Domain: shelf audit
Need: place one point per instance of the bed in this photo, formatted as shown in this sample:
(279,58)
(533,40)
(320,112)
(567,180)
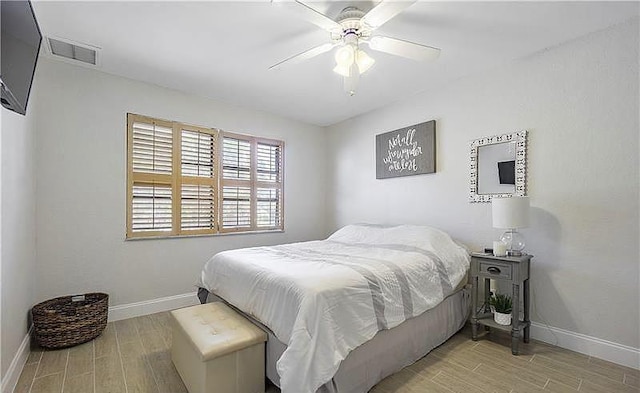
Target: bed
(345,312)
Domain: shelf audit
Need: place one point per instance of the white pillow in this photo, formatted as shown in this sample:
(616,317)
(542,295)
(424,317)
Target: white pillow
(409,236)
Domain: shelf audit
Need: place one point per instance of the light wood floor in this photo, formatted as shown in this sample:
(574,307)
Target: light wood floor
(132,356)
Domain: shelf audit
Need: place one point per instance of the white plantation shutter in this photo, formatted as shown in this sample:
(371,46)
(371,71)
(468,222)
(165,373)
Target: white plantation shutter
(188,180)
(268,209)
(152,147)
(198,180)
(269,162)
(236,183)
(151,208)
(150,186)
(236,159)
(197,208)
(236,207)
(251,183)
(198,153)
(269,184)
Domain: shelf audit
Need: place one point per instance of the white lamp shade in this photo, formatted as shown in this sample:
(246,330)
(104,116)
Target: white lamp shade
(345,59)
(342,70)
(364,61)
(510,213)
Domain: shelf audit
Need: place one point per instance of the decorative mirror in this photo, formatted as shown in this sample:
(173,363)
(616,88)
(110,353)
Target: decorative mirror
(498,167)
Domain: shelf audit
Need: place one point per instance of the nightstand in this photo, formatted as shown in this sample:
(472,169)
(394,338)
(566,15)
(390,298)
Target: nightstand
(512,270)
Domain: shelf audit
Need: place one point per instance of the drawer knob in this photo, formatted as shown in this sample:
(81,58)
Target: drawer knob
(493,270)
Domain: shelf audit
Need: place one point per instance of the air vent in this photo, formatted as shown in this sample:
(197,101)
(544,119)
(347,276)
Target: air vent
(73,51)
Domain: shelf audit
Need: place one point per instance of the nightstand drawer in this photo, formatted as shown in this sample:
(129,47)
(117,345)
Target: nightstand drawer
(495,269)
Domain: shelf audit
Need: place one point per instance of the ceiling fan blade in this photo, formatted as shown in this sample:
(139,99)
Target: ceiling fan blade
(306,55)
(403,48)
(311,15)
(384,11)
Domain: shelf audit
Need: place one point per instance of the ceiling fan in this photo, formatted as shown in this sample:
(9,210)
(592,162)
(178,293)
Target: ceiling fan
(352,28)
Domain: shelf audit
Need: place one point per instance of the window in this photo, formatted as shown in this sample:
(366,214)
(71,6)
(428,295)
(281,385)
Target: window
(251,183)
(187,180)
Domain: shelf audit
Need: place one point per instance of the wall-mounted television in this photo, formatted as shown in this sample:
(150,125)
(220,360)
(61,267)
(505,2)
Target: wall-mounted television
(20,40)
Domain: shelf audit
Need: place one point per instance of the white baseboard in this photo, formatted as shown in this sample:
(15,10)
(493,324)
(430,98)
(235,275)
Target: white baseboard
(592,346)
(17,364)
(132,310)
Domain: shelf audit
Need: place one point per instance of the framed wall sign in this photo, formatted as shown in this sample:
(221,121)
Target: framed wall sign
(407,151)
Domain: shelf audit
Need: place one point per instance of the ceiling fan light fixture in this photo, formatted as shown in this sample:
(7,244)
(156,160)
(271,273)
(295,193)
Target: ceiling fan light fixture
(344,56)
(344,61)
(364,61)
(352,28)
(341,70)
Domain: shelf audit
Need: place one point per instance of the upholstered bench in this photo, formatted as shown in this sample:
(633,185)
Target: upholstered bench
(216,350)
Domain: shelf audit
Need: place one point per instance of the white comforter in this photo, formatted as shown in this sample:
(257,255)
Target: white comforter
(325,298)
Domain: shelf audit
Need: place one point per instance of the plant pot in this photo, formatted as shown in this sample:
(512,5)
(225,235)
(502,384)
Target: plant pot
(502,319)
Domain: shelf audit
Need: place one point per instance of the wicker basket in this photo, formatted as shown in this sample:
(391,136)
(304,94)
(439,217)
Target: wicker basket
(70,320)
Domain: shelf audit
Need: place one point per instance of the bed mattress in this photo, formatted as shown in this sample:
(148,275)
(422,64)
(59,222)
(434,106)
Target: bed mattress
(324,299)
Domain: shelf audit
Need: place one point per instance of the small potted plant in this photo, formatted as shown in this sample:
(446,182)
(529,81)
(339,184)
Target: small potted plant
(501,306)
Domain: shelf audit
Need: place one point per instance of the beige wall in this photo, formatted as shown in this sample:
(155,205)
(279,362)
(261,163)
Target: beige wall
(81,172)
(580,103)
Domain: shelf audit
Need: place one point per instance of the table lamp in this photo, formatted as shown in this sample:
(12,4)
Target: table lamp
(511,214)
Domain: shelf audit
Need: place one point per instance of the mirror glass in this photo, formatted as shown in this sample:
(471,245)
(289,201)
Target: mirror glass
(498,166)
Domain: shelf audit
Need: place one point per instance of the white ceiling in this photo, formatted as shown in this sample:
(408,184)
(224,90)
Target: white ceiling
(223,50)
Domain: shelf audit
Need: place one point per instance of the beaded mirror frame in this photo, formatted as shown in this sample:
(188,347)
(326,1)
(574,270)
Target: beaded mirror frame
(520,139)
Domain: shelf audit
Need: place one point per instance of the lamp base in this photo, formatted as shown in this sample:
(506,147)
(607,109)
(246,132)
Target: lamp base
(514,242)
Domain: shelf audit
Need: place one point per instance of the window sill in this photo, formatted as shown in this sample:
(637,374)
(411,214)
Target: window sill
(204,235)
